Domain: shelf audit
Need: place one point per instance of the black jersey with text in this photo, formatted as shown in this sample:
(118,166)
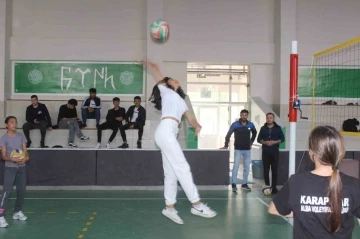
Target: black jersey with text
(305,194)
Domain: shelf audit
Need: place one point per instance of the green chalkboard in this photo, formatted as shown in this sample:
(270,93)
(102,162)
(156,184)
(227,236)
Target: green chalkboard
(77,78)
(330,82)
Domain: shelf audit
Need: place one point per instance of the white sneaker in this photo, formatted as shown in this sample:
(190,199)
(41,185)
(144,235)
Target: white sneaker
(173,215)
(98,146)
(203,211)
(3,222)
(84,138)
(108,146)
(19,216)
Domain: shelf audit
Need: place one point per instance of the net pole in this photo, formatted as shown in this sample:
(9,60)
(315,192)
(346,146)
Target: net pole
(292,109)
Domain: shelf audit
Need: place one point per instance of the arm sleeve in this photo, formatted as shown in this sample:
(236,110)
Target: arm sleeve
(127,114)
(144,120)
(122,113)
(260,137)
(228,135)
(282,137)
(28,115)
(109,116)
(47,116)
(61,113)
(356,210)
(23,139)
(83,103)
(253,133)
(2,142)
(282,199)
(100,105)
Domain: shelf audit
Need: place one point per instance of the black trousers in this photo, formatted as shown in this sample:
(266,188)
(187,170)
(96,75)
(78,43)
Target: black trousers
(115,126)
(270,160)
(42,125)
(136,126)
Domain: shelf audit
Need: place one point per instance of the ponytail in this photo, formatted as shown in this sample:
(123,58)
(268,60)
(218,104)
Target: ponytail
(326,146)
(335,200)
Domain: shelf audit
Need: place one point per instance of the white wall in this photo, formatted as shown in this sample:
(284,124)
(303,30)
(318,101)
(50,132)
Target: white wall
(321,24)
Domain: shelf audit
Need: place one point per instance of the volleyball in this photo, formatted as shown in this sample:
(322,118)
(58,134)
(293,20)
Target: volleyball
(266,190)
(18,153)
(160,30)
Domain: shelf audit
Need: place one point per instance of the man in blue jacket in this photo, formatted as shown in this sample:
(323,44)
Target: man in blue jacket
(242,130)
(270,137)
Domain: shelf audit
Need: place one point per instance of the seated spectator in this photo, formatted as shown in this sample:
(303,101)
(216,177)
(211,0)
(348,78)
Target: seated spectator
(135,118)
(90,108)
(114,120)
(37,117)
(68,119)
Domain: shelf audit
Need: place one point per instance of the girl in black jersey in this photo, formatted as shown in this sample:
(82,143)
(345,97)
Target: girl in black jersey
(324,201)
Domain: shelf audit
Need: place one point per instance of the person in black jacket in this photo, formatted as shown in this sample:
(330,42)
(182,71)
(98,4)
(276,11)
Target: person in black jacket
(135,118)
(37,117)
(270,137)
(91,106)
(114,120)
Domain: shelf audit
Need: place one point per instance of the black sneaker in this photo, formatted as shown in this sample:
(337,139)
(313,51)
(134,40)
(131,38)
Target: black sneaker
(42,145)
(139,144)
(124,146)
(234,188)
(245,187)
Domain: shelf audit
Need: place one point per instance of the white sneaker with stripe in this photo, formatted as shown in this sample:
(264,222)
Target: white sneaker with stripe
(203,210)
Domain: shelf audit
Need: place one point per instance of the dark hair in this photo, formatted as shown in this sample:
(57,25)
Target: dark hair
(73,102)
(33,96)
(92,90)
(156,97)
(327,145)
(116,99)
(137,98)
(270,114)
(244,111)
(9,118)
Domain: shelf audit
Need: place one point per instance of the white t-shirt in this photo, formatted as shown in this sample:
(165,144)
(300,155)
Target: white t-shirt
(135,114)
(172,104)
(92,104)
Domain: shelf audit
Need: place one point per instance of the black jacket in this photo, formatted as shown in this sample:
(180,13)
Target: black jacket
(267,134)
(40,113)
(141,117)
(244,135)
(113,114)
(87,100)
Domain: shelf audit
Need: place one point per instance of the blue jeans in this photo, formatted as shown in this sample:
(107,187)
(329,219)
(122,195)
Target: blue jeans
(246,156)
(85,115)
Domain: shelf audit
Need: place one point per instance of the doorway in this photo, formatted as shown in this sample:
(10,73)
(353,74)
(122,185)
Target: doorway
(217,93)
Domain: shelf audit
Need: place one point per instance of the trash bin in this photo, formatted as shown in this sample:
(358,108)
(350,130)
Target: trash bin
(257,169)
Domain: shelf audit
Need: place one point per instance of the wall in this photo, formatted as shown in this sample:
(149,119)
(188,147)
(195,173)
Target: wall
(317,31)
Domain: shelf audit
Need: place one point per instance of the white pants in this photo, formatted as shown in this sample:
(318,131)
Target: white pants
(176,168)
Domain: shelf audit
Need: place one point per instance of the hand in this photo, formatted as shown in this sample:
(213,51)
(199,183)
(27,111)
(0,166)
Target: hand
(197,130)
(147,64)
(21,161)
(90,109)
(119,118)
(36,121)
(50,128)
(15,159)
(131,126)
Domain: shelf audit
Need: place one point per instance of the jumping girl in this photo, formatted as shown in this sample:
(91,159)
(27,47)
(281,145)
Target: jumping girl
(168,97)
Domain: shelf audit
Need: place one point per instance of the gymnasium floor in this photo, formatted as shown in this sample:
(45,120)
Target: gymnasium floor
(137,215)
